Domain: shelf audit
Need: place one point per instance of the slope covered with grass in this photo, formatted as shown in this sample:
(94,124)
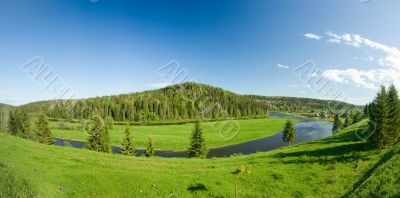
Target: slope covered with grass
(324,168)
(383,180)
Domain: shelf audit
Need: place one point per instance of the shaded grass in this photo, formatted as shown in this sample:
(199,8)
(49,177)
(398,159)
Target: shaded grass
(298,171)
(176,137)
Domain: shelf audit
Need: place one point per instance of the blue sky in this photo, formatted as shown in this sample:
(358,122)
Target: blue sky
(104,47)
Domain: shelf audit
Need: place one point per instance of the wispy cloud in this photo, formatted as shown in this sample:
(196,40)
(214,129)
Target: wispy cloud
(159,85)
(312,36)
(282,66)
(293,86)
(392,54)
(369,79)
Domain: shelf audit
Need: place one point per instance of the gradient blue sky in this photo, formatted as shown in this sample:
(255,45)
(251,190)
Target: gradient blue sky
(117,46)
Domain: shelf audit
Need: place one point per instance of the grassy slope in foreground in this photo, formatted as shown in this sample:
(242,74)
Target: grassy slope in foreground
(176,137)
(327,167)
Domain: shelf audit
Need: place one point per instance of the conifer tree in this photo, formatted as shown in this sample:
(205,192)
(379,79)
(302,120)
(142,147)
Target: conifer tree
(150,150)
(394,114)
(379,118)
(289,132)
(348,121)
(12,124)
(337,124)
(42,131)
(98,136)
(197,147)
(127,144)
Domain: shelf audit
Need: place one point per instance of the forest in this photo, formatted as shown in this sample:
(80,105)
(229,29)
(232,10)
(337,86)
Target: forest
(186,101)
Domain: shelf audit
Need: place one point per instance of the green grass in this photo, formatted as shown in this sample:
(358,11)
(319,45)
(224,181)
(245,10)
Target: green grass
(323,168)
(176,137)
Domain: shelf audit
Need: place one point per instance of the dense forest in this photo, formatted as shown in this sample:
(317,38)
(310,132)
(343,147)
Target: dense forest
(186,101)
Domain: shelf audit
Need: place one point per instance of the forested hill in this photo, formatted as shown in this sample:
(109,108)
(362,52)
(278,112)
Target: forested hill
(185,101)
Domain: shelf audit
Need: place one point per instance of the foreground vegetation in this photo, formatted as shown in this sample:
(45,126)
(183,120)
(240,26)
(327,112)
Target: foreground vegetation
(176,137)
(331,167)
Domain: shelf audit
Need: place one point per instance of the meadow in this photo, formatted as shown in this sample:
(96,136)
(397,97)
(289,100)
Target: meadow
(176,137)
(332,167)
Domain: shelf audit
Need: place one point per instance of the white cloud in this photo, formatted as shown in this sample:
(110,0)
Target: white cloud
(312,36)
(391,54)
(282,66)
(293,86)
(159,85)
(369,79)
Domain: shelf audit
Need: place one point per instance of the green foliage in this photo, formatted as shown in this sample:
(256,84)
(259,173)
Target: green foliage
(337,124)
(41,130)
(380,137)
(289,132)
(19,124)
(348,121)
(150,149)
(109,122)
(197,147)
(98,136)
(394,114)
(186,101)
(127,144)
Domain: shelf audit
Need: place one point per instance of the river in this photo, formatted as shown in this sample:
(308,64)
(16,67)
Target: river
(307,130)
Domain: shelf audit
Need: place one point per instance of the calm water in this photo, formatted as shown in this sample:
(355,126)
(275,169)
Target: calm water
(307,130)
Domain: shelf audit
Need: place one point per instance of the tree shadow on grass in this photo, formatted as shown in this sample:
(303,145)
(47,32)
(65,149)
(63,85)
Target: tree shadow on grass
(342,153)
(385,158)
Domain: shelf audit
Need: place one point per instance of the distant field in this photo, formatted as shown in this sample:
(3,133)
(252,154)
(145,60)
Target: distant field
(176,137)
(324,168)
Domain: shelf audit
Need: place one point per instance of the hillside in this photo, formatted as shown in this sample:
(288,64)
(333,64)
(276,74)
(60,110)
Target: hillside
(329,168)
(185,101)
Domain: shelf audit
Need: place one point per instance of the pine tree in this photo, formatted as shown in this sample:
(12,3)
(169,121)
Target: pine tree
(379,118)
(394,114)
(98,136)
(109,122)
(337,124)
(197,146)
(12,124)
(42,131)
(289,132)
(127,144)
(150,150)
(348,121)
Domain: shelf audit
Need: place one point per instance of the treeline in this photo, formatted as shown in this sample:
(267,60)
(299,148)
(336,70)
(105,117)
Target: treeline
(20,124)
(187,101)
(384,118)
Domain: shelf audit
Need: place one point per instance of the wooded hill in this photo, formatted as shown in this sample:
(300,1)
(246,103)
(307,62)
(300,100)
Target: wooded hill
(186,101)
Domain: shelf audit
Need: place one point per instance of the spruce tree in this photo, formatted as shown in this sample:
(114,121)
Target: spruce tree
(150,150)
(98,136)
(289,132)
(348,121)
(394,114)
(379,118)
(42,131)
(197,147)
(127,145)
(337,123)
(12,124)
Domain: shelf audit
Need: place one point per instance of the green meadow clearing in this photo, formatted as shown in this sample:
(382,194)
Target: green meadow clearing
(176,137)
(331,167)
